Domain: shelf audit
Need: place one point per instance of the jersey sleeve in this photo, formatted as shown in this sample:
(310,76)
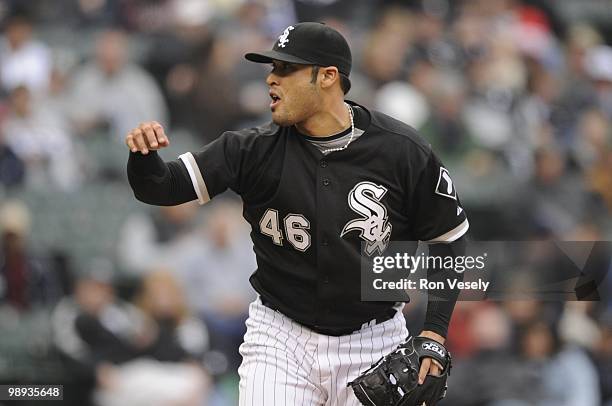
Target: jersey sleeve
(437,212)
(216,167)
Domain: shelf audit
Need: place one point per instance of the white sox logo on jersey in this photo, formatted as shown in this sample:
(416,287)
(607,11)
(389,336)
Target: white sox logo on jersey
(284,37)
(374,227)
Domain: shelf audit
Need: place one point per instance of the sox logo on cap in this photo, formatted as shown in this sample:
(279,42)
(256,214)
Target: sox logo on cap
(283,39)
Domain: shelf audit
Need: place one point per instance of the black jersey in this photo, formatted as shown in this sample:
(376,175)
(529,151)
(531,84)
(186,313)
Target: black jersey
(310,212)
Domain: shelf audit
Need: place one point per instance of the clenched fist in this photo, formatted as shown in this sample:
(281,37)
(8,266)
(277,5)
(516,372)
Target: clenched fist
(148,136)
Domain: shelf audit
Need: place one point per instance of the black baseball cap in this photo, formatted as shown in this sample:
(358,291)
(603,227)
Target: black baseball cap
(309,43)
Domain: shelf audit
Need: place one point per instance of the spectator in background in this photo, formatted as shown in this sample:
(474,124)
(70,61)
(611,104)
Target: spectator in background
(213,263)
(112,330)
(598,64)
(216,279)
(593,153)
(576,90)
(92,327)
(557,196)
(24,281)
(577,327)
(40,137)
(166,237)
(476,380)
(445,129)
(460,341)
(23,60)
(580,38)
(555,374)
(104,90)
(594,139)
(566,374)
(538,116)
(58,98)
(168,370)
(132,355)
(386,47)
(216,91)
(12,168)
(179,336)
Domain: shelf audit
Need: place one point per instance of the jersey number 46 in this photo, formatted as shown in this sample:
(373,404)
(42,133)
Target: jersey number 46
(295,226)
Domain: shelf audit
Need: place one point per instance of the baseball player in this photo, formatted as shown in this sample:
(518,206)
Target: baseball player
(323,178)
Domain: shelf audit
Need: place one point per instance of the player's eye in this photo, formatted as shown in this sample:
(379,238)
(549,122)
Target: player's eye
(283,68)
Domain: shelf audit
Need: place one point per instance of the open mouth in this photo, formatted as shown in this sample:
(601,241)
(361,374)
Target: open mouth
(275,100)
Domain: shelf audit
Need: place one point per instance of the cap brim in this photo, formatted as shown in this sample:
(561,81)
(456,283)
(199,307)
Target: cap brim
(269,56)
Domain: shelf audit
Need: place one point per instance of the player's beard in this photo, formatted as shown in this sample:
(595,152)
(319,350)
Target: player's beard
(292,111)
(282,118)
(298,104)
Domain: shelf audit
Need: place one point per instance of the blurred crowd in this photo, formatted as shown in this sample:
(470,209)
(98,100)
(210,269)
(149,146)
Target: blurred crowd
(515,97)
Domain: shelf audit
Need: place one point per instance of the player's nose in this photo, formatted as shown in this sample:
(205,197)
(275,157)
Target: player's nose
(271,79)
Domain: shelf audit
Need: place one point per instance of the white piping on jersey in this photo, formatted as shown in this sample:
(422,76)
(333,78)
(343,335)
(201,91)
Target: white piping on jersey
(196,177)
(453,234)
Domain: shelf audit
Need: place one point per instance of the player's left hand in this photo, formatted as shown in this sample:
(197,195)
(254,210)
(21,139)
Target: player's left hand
(430,366)
(394,379)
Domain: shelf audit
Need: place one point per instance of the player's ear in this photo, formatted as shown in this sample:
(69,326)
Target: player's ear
(328,76)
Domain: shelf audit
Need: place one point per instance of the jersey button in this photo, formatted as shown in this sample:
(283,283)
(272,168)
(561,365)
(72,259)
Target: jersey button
(325,242)
(323,163)
(326,182)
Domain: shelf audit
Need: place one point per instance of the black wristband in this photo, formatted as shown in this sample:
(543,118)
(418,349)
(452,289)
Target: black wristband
(440,309)
(146,165)
(157,182)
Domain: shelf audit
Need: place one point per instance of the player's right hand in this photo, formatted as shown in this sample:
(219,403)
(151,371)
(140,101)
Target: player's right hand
(148,136)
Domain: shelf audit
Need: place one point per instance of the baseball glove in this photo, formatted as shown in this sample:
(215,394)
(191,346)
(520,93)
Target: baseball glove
(393,380)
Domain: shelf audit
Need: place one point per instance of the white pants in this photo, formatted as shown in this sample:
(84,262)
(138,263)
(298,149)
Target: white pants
(285,363)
